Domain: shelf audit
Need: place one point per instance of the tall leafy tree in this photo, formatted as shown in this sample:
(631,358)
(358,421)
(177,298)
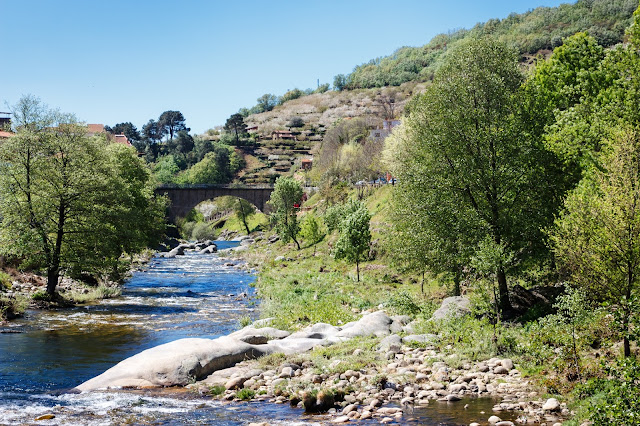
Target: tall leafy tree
(267,102)
(467,158)
(244,210)
(597,238)
(59,191)
(235,124)
(172,122)
(355,236)
(287,193)
(153,132)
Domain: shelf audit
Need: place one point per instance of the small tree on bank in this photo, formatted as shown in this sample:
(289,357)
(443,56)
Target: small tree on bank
(244,210)
(310,231)
(355,237)
(287,193)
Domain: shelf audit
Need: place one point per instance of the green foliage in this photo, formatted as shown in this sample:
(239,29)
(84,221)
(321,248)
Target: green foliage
(12,306)
(172,122)
(246,394)
(310,230)
(202,231)
(403,304)
(615,400)
(597,238)
(166,169)
(291,95)
(541,28)
(244,211)
(266,102)
(245,321)
(216,390)
(454,191)
(217,166)
(355,237)
(322,88)
(235,125)
(340,82)
(74,203)
(287,192)
(5,281)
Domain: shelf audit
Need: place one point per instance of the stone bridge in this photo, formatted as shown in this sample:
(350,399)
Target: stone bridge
(186,197)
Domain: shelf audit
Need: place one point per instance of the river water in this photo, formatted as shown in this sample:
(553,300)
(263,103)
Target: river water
(46,353)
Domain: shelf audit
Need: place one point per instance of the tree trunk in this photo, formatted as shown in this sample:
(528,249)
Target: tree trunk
(456,282)
(296,241)
(53,274)
(505,304)
(358,269)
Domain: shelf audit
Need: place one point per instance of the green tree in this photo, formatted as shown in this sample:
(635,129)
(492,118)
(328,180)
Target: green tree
(340,82)
(355,236)
(244,210)
(310,231)
(597,237)
(267,102)
(235,124)
(466,156)
(212,169)
(166,169)
(287,193)
(67,200)
(172,122)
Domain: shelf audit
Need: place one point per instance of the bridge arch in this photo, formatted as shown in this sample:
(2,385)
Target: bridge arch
(185,197)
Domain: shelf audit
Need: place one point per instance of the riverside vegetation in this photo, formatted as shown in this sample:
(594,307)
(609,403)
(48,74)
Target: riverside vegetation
(506,181)
(517,193)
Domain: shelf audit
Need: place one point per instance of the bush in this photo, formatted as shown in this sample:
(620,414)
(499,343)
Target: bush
(202,231)
(615,400)
(5,281)
(216,390)
(246,394)
(12,306)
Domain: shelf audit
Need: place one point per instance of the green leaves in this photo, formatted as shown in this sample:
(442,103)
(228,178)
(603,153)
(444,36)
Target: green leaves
(71,203)
(355,235)
(287,193)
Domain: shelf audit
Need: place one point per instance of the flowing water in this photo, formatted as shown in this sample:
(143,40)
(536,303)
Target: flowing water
(48,352)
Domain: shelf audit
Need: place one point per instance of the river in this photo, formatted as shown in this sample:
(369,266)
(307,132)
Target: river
(48,352)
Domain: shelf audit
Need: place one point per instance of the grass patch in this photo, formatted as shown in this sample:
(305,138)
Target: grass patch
(94,293)
(12,306)
(216,390)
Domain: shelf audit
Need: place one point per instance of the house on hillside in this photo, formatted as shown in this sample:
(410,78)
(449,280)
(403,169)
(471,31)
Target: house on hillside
(120,139)
(5,135)
(282,134)
(94,129)
(252,129)
(306,164)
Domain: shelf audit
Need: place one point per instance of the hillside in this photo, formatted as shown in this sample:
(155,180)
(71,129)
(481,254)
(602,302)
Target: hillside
(390,81)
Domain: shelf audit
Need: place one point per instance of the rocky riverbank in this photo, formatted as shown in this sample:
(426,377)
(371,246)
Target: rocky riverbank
(264,363)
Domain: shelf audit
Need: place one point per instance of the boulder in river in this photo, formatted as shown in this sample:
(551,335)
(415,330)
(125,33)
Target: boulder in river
(175,363)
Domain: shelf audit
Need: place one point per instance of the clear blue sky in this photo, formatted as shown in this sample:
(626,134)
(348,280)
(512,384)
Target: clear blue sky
(130,60)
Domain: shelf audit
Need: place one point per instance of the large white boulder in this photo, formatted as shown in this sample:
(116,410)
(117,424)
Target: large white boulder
(176,363)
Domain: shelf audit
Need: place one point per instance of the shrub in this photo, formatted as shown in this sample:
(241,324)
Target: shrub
(202,231)
(216,390)
(5,281)
(246,394)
